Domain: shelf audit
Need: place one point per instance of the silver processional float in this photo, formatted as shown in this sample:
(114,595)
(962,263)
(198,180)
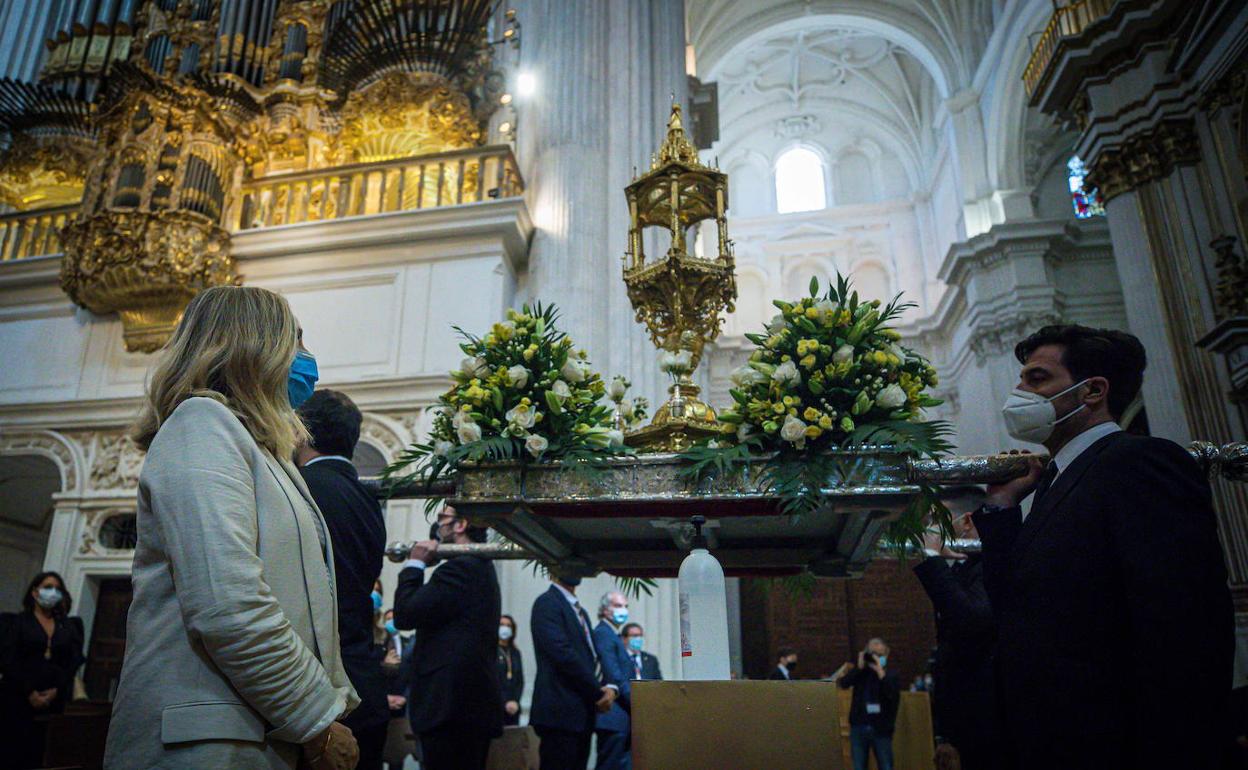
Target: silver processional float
(632,519)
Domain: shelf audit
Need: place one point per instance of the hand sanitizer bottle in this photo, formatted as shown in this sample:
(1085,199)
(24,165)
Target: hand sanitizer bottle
(703,612)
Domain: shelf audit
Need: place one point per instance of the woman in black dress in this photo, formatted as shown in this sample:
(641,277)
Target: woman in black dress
(510,670)
(40,652)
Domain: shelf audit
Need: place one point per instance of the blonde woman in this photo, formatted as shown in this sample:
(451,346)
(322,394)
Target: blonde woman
(232,656)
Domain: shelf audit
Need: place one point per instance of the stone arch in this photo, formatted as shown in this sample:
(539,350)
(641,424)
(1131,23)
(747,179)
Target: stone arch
(58,448)
(872,17)
(383,434)
(1007,116)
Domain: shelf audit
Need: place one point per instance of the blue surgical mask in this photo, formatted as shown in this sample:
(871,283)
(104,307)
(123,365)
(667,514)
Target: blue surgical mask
(302,378)
(883,660)
(636,642)
(376,602)
(390,629)
(619,615)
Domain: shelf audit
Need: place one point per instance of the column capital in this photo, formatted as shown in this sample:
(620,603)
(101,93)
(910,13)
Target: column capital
(1145,158)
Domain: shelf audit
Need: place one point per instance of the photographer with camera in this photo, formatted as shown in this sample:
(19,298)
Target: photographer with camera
(873,711)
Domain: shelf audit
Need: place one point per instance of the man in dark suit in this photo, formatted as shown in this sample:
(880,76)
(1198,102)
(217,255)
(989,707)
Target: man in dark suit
(569,689)
(786,662)
(358,533)
(964,702)
(455,704)
(1114,621)
(612,728)
(645,665)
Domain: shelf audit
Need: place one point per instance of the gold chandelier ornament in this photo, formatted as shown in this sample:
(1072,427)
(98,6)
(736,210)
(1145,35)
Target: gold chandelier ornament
(679,296)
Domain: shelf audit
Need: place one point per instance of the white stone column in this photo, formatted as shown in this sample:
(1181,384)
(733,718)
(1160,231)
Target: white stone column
(605,83)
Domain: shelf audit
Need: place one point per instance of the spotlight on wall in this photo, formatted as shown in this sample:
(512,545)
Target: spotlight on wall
(526,84)
(504,99)
(504,127)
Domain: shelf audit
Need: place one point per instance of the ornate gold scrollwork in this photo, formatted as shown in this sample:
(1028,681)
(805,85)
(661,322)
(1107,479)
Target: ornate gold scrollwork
(36,174)
(145,266)
(679,297)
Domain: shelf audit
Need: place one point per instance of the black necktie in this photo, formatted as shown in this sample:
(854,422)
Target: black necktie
(1046,481)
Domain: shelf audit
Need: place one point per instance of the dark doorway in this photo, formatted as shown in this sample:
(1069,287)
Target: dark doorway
(108,638)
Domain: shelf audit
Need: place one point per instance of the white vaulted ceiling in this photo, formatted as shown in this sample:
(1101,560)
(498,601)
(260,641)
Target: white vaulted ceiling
(834,87)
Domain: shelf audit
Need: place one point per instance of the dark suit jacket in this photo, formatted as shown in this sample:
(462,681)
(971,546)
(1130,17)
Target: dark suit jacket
(964,705)
(1114,620)
(358,532)
(870,688)
(566,686)
(455,615)
(649,666)
(617,669)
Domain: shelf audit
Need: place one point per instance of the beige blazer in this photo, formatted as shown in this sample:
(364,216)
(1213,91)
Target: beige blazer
(232,656)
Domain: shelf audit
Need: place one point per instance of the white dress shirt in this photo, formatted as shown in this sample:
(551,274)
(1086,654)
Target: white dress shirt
(1080,444)
(1073,448)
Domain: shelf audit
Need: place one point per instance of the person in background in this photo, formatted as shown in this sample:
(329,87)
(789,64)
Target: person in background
(400,740)
(232,654)
(358,532)
(394,643)
(40,652)
(873,710)
(455,705)
(1115,626)
(510,670)
(568,689)
(613,728)
(786,662)
(964,704)
(645,665)
(378,623)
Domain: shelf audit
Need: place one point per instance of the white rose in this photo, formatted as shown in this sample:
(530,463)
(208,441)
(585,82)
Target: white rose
(743,432)
(572,371)
(521,417)
(843,353)
(626,409)
(787,373)
(793,430)
(617,389)
(824,304)
(518,376)
(469,432)
(459,418)
(441,448)
(561,390)
(776,324)
(473,367)
(747,377)
(615,439)
(891,397)
(536,444)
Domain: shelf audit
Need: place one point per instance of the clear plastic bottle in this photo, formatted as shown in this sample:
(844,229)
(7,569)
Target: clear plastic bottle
(703,613)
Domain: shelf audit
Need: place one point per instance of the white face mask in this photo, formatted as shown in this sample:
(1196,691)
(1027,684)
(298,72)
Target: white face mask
(504,632)
(1031,417)
(48,597)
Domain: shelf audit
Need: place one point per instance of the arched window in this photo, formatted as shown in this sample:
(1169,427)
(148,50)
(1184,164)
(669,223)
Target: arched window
(1087,202)
(799,181)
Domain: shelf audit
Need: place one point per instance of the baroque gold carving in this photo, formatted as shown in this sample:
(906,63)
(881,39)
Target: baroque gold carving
(36,175)
(1144,158)
(405,114)
(679,297)
(145,266)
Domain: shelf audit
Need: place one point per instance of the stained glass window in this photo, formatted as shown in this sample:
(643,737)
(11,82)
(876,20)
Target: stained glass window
(1087,202)
(799,181)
